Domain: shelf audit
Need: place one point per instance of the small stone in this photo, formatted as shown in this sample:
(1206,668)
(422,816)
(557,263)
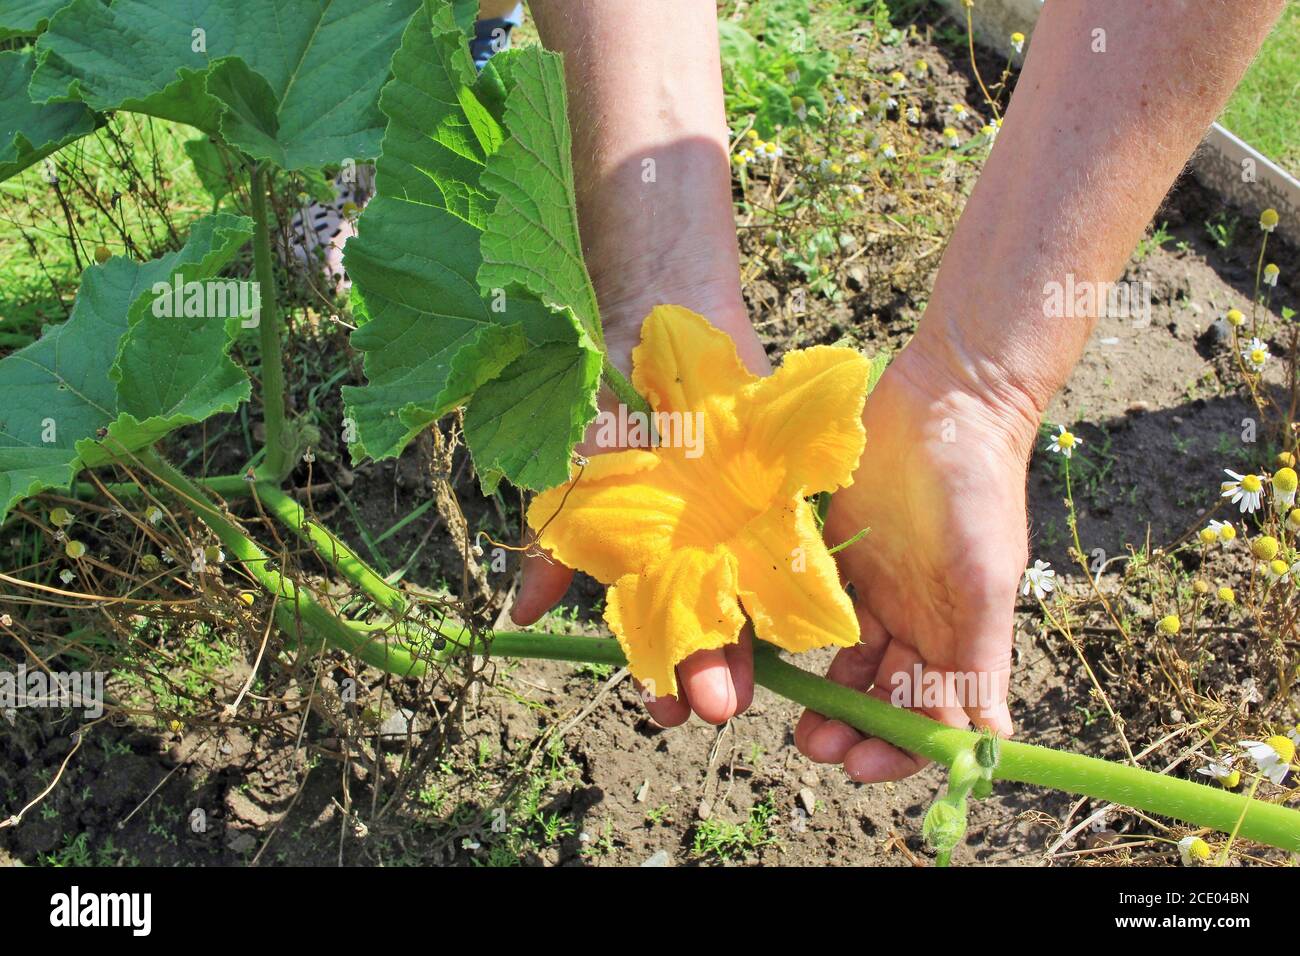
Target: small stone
(242,842)
(705,810)
(398,724)
(659,858)
(642,790)
(808,800)
(809,778)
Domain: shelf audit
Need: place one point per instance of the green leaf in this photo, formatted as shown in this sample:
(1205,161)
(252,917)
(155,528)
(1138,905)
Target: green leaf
(29,132)
(541,402)
(294,82)
(879,362)
(115,366)
(211,166)
(531,239)
(527,369)
(26,17)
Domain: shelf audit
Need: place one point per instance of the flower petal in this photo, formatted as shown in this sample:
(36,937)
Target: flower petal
(617,515)
(684,604)
(808,415)
(685,364)
(789,584)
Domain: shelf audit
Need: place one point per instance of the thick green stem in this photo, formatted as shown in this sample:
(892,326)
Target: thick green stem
(1128,786)
(277,439)
(296,612)
(622,388)
(332,550)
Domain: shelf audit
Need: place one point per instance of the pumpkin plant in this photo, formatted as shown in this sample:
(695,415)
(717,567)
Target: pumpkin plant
(470,292)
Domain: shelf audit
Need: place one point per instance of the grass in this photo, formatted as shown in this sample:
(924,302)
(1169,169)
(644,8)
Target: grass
(1262,110)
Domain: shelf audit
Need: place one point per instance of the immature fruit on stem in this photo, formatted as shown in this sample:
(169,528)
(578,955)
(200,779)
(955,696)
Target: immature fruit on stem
(1201,587)
(1169,624)
(74,549)
(60,517)
(102,254)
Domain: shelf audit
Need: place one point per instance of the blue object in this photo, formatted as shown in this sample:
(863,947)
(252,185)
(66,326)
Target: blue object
(492,36)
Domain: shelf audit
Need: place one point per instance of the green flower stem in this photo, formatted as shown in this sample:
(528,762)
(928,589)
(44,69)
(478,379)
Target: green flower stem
(296,612)
(332,550)
(1194,803)
(268,330)
(622,388)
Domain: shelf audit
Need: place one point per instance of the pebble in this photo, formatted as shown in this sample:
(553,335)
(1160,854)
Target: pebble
(809,778)
(809,800)
(642,790)
(660,858)
(705,810)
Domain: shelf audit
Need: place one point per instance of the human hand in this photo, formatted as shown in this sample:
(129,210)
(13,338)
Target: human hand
(715,684)
(941,485)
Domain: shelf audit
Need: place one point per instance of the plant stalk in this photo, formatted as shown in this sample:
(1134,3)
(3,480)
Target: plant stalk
(297,613)
(1128,786)
(268,330)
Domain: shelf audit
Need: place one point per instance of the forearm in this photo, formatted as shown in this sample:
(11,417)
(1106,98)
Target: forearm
(1090,146)
(651,160)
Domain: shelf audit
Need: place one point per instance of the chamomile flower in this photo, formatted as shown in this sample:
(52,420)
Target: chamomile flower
(1276,570)
(1193,850)
(959,110)
(1018,42)
(771,151)
(1064,442)
(950,137)
(1255,354)
(921,68)
(800,107)
(899,80)
(1224,529)
(1244,490)
(913,115)
(852,115)
(1285,481)
(1226,594)
(1272,756)
(1208,536)
(751,134)
(1293,519)
(887,150)
(743,158)
(1222,772)
(1041,579)
(1271,273)
(1268,219)
(891,104)
(1169,625)
(1264,547)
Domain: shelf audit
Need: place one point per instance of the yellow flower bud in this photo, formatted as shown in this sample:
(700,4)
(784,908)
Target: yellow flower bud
(1169,624)
(1286,458)
(1208,536)
(1279,567)
(1226,595)
(60,517)
(1227,533)
(1235,317)
(1201,587)
(74,549)
(1293,519)
(1285,479)
(1264,547)
(1268,219)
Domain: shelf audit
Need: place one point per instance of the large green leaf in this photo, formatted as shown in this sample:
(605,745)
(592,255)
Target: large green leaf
(295,82)
(114,376)
(531,239)
(26,17)
(28,131)
(527,369)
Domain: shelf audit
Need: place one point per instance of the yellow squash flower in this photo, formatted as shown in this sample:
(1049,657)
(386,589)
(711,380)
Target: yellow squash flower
(684,542)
